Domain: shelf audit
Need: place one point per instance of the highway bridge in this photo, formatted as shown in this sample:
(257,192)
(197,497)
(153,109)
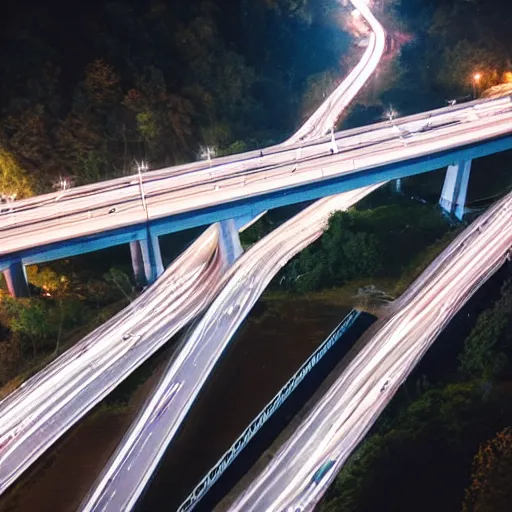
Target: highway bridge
(249,184)
(232,190)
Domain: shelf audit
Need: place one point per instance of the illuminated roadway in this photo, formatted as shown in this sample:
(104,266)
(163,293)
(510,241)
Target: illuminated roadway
(131,466)
(84,210)
(410,137)
(129,469)
(45,406)
(377,367)
(324,118)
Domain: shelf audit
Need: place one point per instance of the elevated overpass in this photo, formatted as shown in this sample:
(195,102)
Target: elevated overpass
(245,185)
(56,225)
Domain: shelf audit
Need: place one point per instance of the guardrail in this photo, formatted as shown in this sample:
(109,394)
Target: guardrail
(214,474)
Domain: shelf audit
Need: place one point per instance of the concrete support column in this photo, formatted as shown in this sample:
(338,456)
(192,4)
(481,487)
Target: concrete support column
(137,263)
(146,260)
(398,186)
(153,265)
(230,241)
(16,279)
(455,188)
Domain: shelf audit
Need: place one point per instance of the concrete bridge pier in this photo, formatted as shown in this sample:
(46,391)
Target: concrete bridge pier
(146,260)
(16,279)
(229,240)
(137,263)
(455,188)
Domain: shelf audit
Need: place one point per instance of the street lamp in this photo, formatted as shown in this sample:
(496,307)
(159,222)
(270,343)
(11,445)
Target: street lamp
(390,114)
(208,152)
(476,82)
(334,146)
(142,167)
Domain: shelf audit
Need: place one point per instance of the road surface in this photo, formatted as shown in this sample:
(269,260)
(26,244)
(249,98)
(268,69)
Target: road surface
(128,471)
(378,366)
(44,407)
(324,118)
(133,463)
(377,145)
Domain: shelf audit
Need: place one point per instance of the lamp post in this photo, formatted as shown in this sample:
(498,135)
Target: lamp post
(334,146)
(142,167)
(207,152)
(476,83)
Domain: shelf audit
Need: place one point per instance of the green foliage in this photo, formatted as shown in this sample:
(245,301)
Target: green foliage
(13,180)
(91,167)
(487,349)
(359,244)
(298,9)
(318,87)
(239,146)
(490,489)
(150,81)
(48,280)
(121,282)
(425,447)
(35,329)
(147,126)
(30,322)
(425,451)
(101,82)
(446,43)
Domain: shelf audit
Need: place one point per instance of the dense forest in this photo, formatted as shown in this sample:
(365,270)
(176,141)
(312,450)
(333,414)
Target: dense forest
(89,88)
(373,243)
(438,47)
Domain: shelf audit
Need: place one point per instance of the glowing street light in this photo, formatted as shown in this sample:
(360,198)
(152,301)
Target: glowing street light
(476,82)
(207,152)
(390,114)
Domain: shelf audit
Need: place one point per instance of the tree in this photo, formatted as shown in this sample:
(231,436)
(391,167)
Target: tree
(419,459)
(486,350)
(490,489)
(48,280)
(121,281)
(30,322)
(13,180)
(101,82)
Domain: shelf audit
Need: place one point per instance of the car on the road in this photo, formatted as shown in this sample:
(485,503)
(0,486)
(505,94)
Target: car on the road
(320,473)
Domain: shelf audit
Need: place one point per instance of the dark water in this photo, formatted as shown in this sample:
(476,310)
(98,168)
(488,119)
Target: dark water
(272,345)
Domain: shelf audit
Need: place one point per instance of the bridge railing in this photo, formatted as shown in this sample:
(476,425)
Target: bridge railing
(230,455)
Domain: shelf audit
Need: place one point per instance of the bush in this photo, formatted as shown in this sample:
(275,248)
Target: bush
(380,242)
